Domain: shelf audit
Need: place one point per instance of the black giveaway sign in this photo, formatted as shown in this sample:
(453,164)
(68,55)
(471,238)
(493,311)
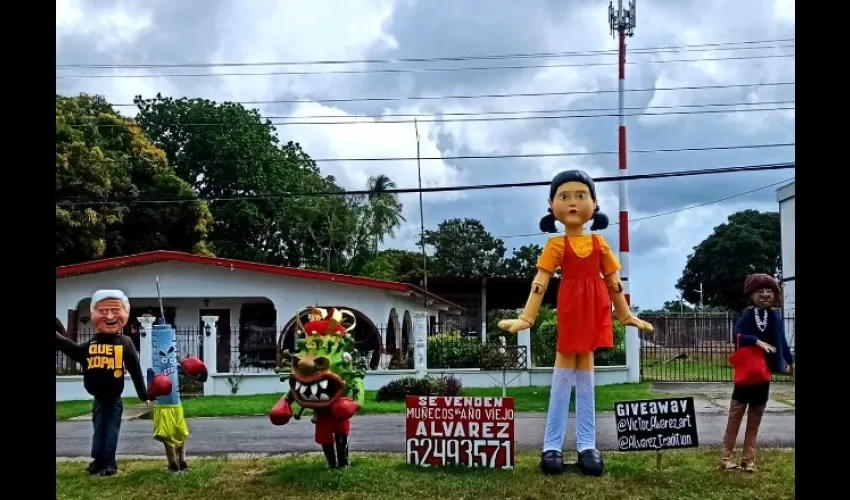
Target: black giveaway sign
(656,424)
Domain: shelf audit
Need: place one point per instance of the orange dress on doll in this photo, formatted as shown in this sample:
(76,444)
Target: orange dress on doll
(584,306)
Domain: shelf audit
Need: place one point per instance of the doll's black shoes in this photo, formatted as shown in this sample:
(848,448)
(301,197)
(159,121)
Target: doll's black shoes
(552,462)
(590,463)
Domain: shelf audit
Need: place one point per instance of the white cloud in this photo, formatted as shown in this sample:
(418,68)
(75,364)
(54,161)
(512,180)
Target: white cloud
(292,30)
(374,139)
(667,23)
(110,28)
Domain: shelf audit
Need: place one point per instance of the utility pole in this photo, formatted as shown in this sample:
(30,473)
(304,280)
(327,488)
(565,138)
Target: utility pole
(700,296)
(622,21)
(421,217)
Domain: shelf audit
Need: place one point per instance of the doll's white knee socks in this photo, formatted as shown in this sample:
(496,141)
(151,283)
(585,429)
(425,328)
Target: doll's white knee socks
(563,381)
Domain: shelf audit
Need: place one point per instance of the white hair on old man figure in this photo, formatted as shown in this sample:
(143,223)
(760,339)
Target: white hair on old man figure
(109,294)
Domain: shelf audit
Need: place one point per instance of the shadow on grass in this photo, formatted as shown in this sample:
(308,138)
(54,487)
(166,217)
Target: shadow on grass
(153,481)
(313,472)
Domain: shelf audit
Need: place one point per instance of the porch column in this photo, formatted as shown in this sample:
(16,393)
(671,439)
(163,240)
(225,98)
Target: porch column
(483,312)
(210,351)
(633,352)
(145,346)
(420,342)
(385,355)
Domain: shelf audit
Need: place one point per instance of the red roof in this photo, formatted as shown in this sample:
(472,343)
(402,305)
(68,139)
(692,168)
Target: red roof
(142,259)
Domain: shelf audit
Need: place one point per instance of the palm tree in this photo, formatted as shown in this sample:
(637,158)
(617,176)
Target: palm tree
(385,209)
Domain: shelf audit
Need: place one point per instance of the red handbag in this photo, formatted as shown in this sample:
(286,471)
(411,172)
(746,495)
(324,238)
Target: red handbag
(749,365)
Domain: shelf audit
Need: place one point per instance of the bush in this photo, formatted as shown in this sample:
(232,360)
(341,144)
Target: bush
(494,334)
(543,315)
(617,355)
(450,386)
(398,390)
(495,357)
(451,350)
(544,342)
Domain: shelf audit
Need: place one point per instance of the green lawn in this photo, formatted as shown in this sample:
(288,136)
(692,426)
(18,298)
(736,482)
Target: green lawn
(689,365)
(71,409)
(685,475)
(527,399)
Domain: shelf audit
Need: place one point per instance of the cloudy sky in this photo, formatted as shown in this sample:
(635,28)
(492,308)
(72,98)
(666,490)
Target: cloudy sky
(250,31)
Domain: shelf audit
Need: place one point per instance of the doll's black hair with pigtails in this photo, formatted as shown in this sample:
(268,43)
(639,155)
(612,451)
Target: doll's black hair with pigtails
(600,220)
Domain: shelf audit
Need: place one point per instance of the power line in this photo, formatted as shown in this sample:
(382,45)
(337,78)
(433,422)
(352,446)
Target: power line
(444,189)
(422,70)
(528,111)
(498,96)
(515,118)
(670,212)
(705,47)
(380,121)
(561,155)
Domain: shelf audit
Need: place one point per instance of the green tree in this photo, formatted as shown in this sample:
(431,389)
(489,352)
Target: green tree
(406,265)
(677,306)
(348,228)
(227,151)
(384,209)
(463,247)
(523,263)
(749,242)
(104,162)
(335,229)
(380,267)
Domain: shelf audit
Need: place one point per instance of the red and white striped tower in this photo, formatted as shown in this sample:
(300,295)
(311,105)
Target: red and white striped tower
(623,24)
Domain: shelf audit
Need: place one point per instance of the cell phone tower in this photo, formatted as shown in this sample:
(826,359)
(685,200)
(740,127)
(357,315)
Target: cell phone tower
(622,21)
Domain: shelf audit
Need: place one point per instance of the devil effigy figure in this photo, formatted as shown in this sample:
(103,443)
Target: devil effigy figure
(325,376)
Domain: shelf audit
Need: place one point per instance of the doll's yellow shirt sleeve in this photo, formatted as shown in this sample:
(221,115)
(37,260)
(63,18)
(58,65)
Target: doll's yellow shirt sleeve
(553,252)
(609,263)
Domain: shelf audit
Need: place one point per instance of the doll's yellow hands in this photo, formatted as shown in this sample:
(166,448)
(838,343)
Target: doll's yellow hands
(514,325)
(639,323)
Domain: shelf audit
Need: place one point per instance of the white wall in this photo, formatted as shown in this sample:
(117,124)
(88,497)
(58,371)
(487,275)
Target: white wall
(787,218)
(786,196)
(70,388)
(252,383)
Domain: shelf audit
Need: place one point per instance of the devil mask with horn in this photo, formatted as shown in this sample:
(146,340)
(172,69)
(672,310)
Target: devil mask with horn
(325,376)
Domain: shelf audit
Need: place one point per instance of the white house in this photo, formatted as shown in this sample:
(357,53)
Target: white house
(237,316)
(787,219)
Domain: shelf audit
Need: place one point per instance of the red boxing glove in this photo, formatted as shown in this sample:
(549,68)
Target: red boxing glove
(194,367)
(344,408)
(160,386)
(281,412)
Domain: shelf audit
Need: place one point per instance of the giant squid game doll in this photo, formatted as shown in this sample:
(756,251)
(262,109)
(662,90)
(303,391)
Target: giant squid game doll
(169,424)
(325,376)
(589,285)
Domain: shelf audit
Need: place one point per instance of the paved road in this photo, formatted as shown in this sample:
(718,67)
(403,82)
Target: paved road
(255,435)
